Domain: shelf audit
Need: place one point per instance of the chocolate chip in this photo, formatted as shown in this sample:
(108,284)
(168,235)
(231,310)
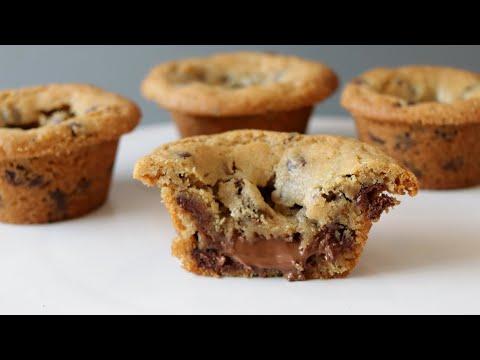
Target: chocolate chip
(60,200)
(197,209)
(371,200)
(61,108)
(267,191)
(239,186)
(228,170)
(454,164)
(296,207)
(184,154)
(331,196)
(332,240)
(36,181)
(404,142)
(211,259)
(312,261)
(22,176)
(29,126)
(337,239)
(224,211)
(446,133)
(55,116)
(11,178)
(293,164)
(297,237)
(200,76)
(83,185)
(376,139)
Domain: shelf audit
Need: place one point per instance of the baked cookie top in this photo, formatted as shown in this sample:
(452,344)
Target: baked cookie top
(242,83)
(416,94)
(52,119)
(306,171)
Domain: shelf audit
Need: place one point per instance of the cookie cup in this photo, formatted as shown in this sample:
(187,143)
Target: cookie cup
(300,208)
(240,91)
(428,118)
(53,167)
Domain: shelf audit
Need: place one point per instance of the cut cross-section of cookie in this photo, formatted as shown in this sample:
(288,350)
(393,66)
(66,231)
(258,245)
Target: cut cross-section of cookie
(257,203)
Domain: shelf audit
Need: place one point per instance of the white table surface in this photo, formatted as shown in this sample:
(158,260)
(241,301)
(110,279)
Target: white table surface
(422,257)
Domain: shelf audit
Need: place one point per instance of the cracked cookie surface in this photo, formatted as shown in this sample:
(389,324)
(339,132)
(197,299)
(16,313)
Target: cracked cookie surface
(427,95)
(57,149)
(238,84)
(257,203)
(49,119)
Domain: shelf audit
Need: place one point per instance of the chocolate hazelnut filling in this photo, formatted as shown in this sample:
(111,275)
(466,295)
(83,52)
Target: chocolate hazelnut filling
(222,251)
(262,253)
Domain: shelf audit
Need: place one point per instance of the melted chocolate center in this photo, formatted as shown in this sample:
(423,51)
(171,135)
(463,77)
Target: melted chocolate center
(276,255)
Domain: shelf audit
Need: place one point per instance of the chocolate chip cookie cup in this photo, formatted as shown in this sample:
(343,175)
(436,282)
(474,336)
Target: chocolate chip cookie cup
(301,208)
(243,90)
(426,117)
(57,150)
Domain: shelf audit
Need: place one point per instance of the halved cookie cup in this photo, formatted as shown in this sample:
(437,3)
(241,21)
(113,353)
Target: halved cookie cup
(57,150)
(262,204)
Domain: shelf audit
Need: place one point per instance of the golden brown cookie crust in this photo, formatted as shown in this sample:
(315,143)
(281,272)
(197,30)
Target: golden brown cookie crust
(416,94)
(98,116)
(442,157)
(236,84)
(56,187)
(285,121)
